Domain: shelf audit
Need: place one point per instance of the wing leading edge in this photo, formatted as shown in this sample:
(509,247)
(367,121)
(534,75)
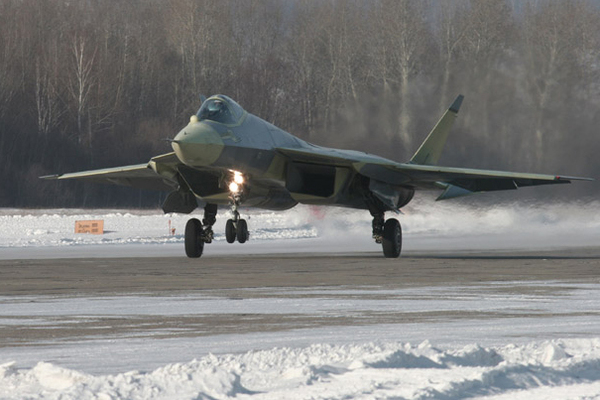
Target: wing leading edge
(151,176)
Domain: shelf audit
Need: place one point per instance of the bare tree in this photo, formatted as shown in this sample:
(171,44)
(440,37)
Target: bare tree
(554,42)
(81,82)
(451,26)
(405,41)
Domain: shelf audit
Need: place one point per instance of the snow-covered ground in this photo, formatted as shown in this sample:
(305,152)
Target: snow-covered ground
(549,370)
(429,226)
(498,340)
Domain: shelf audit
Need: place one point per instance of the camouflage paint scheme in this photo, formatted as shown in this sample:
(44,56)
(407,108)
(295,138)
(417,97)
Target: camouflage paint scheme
(281,170)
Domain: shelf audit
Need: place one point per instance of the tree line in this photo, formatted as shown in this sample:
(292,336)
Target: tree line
(96,83)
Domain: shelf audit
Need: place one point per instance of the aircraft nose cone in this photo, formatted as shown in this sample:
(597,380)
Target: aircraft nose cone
(198,144)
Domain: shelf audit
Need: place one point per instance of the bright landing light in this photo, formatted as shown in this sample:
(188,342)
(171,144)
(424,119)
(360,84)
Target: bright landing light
(238,180)
(234,187)
(238,177)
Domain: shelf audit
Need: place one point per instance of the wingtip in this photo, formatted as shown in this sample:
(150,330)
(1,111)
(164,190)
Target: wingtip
(572,178)
(457,103)
(54,176)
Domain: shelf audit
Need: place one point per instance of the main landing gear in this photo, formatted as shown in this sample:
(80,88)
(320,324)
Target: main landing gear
(197,233)
(389,234)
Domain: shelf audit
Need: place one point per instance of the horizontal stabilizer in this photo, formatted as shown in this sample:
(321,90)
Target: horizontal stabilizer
(452,192)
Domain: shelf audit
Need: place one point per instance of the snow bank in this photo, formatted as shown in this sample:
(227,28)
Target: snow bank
(562,368)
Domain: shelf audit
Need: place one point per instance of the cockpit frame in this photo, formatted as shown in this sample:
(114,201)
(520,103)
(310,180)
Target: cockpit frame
(221,109)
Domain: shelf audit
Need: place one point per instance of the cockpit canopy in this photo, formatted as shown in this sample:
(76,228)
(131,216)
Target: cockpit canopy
(220,109)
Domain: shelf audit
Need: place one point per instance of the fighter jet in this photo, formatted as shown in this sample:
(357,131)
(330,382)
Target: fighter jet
(227,157)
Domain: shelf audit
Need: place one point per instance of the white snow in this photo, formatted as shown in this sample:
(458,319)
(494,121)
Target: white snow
(427,226)
(534,339)
(499,340)
(367,371)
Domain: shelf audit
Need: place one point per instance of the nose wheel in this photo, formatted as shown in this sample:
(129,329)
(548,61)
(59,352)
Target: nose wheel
(230,231)
(242,231)
(236,228)
(237,231)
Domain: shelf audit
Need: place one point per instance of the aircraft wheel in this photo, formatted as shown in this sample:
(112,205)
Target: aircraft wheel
(242,231)
(194,245)
(392,238)
(230,231)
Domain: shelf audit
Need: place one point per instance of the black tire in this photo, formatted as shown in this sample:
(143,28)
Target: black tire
(242,231)
(392,238)
(230,231)
(194,245)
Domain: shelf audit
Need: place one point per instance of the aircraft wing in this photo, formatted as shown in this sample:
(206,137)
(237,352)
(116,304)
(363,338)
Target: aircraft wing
(140,176)
(456,181)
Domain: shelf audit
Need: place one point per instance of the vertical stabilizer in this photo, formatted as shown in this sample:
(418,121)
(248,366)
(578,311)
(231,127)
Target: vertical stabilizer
(430,151)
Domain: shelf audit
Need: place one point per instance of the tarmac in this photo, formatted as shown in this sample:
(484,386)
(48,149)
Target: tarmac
(164,275)
(229,277)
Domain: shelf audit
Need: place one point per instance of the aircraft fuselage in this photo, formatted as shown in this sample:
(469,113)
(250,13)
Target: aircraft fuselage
(255,147)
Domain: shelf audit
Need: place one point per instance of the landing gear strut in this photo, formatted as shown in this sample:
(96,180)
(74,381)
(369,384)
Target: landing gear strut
(236,228)
(389,234)
(197,233)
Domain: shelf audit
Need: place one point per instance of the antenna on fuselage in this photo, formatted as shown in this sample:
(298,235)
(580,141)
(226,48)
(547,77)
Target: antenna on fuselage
(202,98)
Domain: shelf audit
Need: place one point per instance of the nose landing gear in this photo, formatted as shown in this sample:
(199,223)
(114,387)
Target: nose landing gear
(198,233)
(236,228)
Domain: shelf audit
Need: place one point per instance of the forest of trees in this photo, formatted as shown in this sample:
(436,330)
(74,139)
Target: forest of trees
(89,84)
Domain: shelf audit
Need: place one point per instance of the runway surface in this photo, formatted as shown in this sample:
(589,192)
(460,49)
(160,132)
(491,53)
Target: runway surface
(163,275)
(268,277)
